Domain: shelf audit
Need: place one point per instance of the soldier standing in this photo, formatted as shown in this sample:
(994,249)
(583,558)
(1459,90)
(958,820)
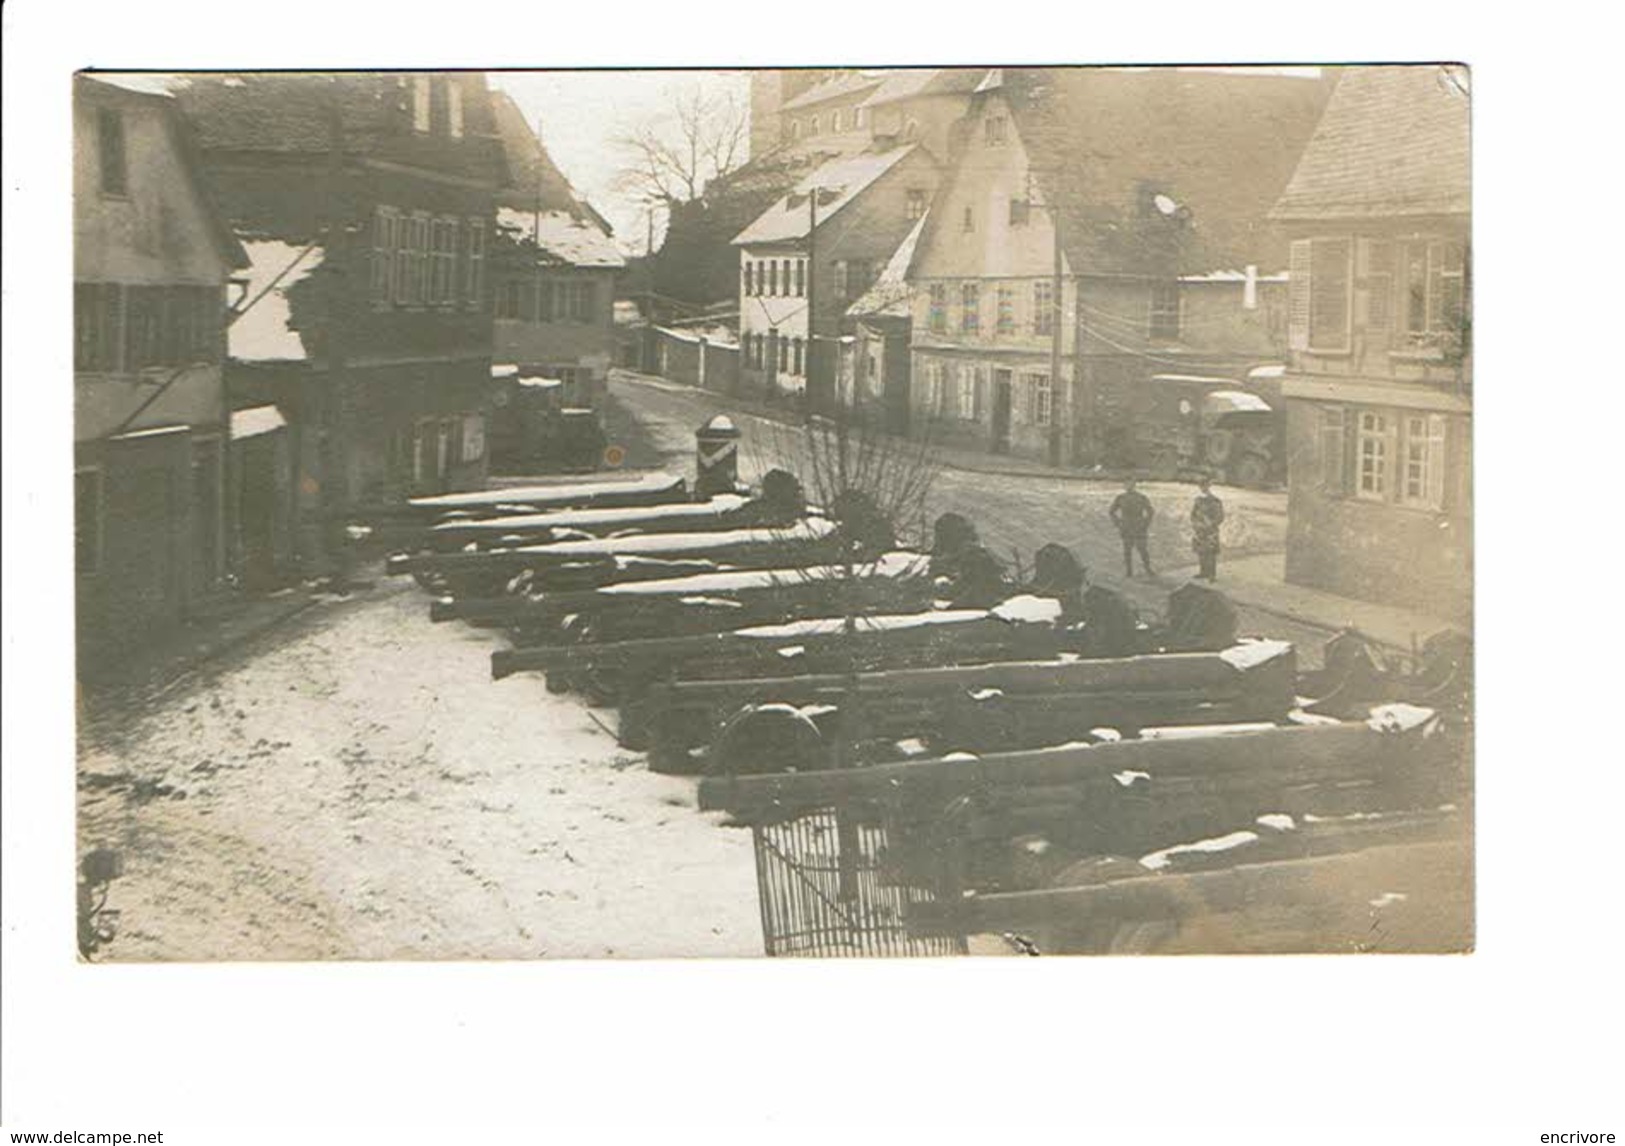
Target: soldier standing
(1207,514)
(1132,513)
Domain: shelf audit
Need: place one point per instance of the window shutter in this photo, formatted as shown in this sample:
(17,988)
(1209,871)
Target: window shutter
(1333,451)
(1436,460)
(1298,295)
(1331,266)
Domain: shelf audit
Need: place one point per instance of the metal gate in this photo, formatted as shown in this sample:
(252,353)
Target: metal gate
(824,889)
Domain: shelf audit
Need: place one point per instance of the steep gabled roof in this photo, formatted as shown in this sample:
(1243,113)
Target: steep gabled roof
(839,181)
(834,88)
(911,83)
(309,113)
(1162,170)
(1393,142)
(158,90)
(890,293)
(562,238)
(534,180)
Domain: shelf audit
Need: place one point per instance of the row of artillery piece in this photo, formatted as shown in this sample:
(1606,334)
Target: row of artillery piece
(929,745)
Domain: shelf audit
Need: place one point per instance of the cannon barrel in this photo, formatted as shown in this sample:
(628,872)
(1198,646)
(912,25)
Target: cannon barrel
(635,490)
(806,539)
(726,511)
(1299,754)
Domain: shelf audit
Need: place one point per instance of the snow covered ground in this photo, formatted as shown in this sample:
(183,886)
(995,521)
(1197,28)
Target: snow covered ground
(357,787)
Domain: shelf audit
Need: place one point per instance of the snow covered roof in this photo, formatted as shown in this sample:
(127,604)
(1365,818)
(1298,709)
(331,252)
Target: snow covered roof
(907,83)
(890,292)
(561,237)
(541,383)
(142,83)
(151,432)
(561,493)
(254,421)
(843,85)
(1229,276)
(504,370)
(263,332)
(838,181)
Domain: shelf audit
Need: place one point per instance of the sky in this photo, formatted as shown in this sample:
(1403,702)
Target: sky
(581,115)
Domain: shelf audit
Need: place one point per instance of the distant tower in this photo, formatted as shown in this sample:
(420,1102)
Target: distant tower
(770,89)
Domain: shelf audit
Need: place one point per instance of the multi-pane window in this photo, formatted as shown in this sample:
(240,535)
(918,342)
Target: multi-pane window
(913,203)
(933,396)
(970,314)
(801,278)
(795,356)
(772,277)
(1372,455)
(750,279)
(474,265)
(1042,397)
(110,152)
(1164,320)
(937,315)
(87,522)
(784,355)
(1005,313)
(574,299)
(125,328)
(1422,473)
(995,130)
(420,103)
(454,108)
(1043,307)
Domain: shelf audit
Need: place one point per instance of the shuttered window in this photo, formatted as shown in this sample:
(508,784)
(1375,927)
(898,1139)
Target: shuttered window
(1298,295)
(1043,307)
(1378,278)
(937,316)
(474,264)
(1005,314)
(970,313)
(970,382)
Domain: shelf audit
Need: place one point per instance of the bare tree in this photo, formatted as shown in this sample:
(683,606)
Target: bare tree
(671,159)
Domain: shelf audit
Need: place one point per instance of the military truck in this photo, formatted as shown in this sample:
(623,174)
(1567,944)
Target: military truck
(1193,425)
(533,431)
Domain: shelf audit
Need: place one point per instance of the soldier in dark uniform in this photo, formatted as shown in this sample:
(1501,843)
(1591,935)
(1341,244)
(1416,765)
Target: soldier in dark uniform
(1207,514)
(1131,512)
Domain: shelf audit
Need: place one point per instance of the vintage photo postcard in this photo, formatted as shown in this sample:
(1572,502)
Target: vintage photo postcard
(812,512)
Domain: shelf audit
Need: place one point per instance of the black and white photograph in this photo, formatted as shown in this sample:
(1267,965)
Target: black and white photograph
(780,575)
(855,512)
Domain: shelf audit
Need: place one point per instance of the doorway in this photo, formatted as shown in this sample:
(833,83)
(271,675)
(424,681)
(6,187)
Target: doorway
(1002,386)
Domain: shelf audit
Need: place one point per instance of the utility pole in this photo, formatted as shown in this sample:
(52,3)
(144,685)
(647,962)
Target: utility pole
(1056,344)
(812,324)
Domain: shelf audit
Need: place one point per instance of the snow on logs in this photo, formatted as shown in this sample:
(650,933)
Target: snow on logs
(639,490)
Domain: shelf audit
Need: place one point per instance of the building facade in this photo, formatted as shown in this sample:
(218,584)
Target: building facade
(554,269)
(1379,388)
(812,254)
(152,259)
(1096,228)
(391,180)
